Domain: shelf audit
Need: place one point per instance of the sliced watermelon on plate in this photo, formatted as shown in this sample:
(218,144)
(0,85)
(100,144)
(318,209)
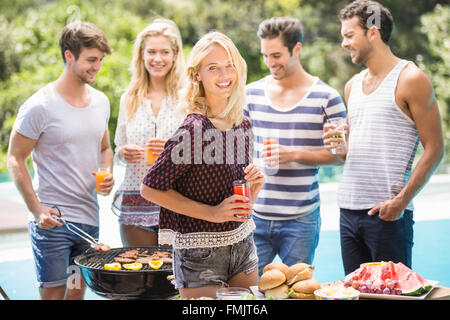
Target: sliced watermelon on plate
(387,278)
(410,282)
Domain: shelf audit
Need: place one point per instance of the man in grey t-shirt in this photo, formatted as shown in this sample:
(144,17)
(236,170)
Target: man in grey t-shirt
(65,127)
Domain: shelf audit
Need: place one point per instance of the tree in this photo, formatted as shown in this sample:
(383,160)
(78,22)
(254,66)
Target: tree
(36,33)
(30,29)
(435,25)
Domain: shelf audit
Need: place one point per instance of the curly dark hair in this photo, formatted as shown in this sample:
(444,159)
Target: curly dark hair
(366,11)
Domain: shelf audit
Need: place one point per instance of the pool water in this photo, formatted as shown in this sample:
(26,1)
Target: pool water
(431,253)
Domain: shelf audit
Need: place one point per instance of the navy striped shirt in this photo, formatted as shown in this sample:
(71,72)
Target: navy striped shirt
(291,190)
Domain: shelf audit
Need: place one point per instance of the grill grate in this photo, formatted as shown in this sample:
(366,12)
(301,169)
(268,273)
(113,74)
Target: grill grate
(97,260)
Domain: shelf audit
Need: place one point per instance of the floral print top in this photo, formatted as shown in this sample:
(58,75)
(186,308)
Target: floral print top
(127,201)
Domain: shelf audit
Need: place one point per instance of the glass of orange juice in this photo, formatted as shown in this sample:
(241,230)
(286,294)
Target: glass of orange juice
(270,142)
(100,175)
(267,141)
(151,158)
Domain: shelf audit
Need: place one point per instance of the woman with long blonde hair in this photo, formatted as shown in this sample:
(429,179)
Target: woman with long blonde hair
(147,118)
(200,217)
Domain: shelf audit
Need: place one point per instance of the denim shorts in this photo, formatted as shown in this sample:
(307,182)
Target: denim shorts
(213,266)
(292,240)
(54,251)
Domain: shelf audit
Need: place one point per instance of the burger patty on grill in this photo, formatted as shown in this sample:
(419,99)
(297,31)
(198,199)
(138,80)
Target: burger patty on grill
(130,254)
(124,260)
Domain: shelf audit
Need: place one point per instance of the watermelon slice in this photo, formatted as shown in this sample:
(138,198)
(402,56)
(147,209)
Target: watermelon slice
(394,278)
(410,282)
(386,272)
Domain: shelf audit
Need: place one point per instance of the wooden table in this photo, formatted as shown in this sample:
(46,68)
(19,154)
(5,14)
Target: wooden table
(439,293)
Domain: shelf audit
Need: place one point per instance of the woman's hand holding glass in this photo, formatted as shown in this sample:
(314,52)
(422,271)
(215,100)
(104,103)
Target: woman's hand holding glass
(229,208)
(132,153)
(154,148)
(239,207)
(255,177)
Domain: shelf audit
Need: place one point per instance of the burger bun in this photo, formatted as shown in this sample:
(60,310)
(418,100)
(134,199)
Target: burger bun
(271,279)
(276,265)
(280,292)
(304,289)
(299,271)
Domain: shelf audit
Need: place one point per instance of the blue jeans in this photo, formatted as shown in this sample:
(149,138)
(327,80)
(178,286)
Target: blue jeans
(54,250)
(367,238)
(293,240)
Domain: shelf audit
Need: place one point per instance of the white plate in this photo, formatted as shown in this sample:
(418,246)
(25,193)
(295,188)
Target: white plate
(398,297)
(258,294)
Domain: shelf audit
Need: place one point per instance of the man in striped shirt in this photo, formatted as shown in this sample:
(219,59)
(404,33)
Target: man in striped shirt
(391,105)
(292,106)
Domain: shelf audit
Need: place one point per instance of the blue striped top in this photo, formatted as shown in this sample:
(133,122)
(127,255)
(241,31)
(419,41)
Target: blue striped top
(291,189)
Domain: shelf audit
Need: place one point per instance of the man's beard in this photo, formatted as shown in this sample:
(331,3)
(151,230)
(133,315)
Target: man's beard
(362,55)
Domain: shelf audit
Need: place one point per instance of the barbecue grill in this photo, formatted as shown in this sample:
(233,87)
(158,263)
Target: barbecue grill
(146,283)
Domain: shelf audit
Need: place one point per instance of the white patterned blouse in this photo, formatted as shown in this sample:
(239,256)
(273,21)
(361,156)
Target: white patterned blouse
(128,204)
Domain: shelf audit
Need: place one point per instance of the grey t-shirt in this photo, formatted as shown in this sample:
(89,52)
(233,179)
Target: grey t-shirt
(67,151)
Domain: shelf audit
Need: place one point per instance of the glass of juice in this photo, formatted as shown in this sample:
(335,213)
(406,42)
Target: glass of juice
(269,141)
(338,123)
(242,188)
(100,175)
(151,158)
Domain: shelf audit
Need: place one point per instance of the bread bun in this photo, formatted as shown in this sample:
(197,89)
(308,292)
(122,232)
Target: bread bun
(299,295)
(299,271)
(280,292)
(306,286)
(276,265)
(271,279)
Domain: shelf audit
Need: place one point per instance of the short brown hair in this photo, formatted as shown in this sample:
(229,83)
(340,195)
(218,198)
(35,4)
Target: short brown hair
(289,29)
(78,35)
(365,10)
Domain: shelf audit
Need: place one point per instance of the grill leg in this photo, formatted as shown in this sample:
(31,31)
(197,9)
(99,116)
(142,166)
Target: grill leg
(3,293)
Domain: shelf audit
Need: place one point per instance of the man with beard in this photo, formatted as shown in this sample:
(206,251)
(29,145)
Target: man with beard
(391,105)
(292,106)
(65,126)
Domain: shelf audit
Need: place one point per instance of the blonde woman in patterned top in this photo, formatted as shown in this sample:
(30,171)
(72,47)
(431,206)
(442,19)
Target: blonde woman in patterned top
(212,245)
(147,118)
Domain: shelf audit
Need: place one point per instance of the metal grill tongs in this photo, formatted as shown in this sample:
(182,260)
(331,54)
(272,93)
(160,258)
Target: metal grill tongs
(74,229)
(82,234)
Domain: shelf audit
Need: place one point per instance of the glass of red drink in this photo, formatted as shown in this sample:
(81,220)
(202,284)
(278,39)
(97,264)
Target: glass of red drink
(242,187)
